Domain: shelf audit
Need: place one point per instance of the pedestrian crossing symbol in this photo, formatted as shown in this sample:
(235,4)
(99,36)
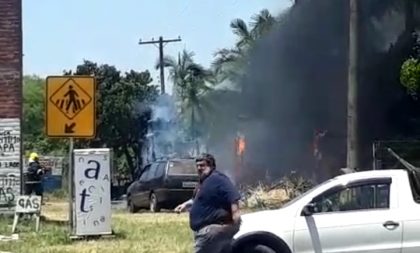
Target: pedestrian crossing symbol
(70,99)
(70,106)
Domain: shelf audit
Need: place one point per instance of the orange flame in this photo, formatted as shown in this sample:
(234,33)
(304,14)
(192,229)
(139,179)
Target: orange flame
(240,145)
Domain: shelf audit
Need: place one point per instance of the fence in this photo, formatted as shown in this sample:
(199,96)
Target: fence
(382,159)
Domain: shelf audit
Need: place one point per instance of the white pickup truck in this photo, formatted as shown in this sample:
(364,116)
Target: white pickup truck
(363,212)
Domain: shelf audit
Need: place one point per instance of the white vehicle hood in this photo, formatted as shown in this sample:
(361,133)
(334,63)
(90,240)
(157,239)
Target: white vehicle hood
(274,221)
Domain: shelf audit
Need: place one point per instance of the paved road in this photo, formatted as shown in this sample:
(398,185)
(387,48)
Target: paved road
(119,204)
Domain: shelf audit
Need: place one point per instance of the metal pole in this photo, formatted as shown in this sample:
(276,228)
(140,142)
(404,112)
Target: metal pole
(161,43)
(162,68)
(70,175)
(374,155)
(352,101)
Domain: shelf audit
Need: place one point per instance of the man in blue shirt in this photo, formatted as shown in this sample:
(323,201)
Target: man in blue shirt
(214,214)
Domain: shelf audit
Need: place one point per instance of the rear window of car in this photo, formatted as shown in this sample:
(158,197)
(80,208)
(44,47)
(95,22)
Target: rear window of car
(186,167)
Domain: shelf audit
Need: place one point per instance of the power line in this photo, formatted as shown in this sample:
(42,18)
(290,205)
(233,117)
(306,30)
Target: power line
(161,43)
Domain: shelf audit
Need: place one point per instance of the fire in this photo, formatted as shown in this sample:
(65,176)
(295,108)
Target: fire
(240,145)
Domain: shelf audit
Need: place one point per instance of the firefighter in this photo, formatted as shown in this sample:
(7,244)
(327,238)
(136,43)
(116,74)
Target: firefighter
(34,174)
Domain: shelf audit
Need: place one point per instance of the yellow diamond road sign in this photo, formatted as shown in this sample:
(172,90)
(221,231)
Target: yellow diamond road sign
(70,105)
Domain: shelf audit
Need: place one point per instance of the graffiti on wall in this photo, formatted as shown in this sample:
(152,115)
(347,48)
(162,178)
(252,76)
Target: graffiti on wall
(10,154)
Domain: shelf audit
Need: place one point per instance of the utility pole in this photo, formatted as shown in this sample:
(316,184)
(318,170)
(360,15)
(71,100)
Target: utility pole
(161,43)
(352,82)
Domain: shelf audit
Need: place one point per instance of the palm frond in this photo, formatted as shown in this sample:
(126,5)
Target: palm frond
(240,28)
(168,61)
(225,57)
(262,23)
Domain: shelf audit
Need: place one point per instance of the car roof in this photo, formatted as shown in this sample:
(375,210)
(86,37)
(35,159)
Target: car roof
(371,174)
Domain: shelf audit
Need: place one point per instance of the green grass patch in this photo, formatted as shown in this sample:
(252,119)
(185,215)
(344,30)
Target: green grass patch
(29,241)
(145,232)
(140,233)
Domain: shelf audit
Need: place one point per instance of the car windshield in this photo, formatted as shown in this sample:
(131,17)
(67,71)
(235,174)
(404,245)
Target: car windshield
(291,202)
(182,167)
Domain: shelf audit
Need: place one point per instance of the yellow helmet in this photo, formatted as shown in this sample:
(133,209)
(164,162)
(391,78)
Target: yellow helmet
(33,156)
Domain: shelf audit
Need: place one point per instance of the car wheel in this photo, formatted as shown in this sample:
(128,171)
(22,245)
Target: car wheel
(154,204)
(131,207)
(259,248)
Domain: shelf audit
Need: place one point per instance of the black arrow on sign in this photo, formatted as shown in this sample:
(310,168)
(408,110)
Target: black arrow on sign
(68,129)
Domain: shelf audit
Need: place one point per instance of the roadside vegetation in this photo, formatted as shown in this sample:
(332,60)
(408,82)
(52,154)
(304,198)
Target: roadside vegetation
(142,232)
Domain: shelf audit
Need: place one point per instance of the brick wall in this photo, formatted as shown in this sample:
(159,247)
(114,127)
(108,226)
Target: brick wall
(10,58)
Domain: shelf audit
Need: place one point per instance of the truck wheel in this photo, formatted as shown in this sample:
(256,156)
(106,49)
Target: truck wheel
(154,204)
(130,206)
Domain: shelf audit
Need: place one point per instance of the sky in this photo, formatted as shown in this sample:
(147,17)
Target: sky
(59,34)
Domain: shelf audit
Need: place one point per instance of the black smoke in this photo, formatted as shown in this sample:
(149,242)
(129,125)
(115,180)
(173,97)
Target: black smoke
(297,83)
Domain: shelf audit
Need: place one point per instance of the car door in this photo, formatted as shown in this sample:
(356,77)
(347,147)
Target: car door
(360,217)
(153,177)
(137,189)
(143,191)
(158,179)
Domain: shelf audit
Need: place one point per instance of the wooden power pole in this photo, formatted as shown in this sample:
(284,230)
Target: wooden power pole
(352,99)
(161,43)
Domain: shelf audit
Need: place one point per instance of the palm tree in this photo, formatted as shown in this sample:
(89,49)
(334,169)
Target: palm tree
(231,63)
(190,85)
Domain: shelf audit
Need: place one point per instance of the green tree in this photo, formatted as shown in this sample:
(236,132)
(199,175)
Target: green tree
(123,110)
(410,75)
(190,86)
(33,122)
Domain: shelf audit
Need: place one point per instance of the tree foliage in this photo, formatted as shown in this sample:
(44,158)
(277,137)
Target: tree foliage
(231,63)
(410,75)
(123,110)
(123,113)
(34,117)
(190,87)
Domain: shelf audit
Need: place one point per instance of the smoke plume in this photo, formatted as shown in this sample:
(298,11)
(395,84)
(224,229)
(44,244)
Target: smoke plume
(297,82)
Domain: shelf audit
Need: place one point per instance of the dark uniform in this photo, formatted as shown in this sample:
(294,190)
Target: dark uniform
(34,179)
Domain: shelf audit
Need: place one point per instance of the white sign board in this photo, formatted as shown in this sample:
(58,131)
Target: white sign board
(28,204)
(92,188)
(10,153)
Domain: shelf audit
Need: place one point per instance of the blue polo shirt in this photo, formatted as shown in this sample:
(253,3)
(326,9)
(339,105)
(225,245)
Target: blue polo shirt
(212,204)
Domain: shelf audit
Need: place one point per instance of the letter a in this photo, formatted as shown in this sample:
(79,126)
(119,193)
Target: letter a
(95,170)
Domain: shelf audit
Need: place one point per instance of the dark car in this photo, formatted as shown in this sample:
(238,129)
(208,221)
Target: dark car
(162,185)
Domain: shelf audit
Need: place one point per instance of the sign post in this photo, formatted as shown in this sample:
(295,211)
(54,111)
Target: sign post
(70,182)
(71,113)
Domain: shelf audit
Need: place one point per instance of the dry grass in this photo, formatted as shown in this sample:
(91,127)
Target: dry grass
(261,197)
(144,232)
(271,196)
